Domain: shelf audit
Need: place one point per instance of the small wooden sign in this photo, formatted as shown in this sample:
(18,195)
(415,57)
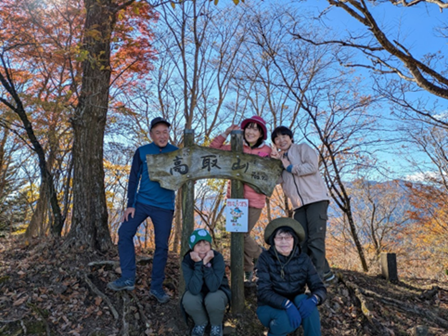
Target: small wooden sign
(237,210)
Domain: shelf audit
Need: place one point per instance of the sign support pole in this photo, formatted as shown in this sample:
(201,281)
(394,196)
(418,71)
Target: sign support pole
(237,238)
(187,210)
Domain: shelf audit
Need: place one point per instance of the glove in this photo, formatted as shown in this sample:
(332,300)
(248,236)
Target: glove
(293,314)
(307,306)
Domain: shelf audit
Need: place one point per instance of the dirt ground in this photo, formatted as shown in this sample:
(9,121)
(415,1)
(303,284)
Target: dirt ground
(46,289)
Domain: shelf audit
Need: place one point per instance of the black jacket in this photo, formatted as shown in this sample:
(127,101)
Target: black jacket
(201,279)
(273,290)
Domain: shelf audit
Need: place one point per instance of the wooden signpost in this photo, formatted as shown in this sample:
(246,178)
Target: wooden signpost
(182,167)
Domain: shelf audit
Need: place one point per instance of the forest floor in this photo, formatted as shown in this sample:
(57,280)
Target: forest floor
(47,290)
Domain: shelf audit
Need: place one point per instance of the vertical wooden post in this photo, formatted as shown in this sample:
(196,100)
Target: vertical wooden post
(187,209)
(237,238)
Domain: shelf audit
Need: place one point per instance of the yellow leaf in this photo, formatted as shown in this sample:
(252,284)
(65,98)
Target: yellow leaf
(173,5)
(236,2)
(216,2)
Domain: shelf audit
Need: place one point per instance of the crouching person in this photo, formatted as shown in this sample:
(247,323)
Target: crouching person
(207,287)
(283,273)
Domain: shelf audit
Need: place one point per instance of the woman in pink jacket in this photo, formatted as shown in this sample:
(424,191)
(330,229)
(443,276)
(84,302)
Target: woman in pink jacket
(255,133)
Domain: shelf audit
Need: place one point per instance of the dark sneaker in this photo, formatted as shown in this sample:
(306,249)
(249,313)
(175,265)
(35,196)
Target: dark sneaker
(160,295)
(329,277)
(198,330)
(121,284)
(216,330)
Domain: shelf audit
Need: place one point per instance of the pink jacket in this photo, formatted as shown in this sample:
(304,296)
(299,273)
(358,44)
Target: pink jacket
(256,200)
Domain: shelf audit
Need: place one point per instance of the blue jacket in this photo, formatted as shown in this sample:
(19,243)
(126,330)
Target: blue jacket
(141,189)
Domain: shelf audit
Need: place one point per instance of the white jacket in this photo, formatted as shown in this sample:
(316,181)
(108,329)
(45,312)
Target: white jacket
(304,185)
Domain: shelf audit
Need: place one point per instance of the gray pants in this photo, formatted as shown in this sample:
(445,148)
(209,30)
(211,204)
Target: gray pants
(313,218)
(201,309)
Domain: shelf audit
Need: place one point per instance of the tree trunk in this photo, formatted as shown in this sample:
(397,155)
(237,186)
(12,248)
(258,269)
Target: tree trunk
(36,226)
(4,165)
(177,224)
(354,234)
(89,222)
(268,209)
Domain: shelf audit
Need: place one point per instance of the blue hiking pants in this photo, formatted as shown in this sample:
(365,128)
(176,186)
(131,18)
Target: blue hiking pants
(278,322)
(162,220)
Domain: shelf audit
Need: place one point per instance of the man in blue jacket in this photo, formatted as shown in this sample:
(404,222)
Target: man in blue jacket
(146,198)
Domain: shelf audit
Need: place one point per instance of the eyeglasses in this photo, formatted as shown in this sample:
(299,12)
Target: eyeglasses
(285,238)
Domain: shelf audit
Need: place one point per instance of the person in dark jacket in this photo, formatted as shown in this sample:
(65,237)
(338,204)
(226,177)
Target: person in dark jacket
(207,287)
(283,273)
(305,188)
(146,198)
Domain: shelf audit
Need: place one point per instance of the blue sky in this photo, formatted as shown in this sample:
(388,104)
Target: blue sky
(414,27)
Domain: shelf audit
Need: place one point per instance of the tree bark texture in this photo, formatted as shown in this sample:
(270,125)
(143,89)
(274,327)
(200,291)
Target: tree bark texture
(237,238)
(89,223)
(177,224)
(187,200)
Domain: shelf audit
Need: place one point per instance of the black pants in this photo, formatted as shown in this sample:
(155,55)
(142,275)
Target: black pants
(313,218)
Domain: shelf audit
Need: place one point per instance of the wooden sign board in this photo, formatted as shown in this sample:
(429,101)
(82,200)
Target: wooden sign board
(173,169)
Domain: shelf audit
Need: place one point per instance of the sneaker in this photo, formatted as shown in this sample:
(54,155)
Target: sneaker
(121,284)
(329,277)
(216,330)
(198,330)
(249,276)
(160,295)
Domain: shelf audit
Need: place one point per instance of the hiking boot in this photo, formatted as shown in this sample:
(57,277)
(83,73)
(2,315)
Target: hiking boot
(160,295)
(329,277)
(216,330)
(198,330)
(249,276)
(121,284)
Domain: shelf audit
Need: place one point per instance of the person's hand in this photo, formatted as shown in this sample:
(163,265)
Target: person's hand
(307,306)
(285,161)
(209,256)
(129,211)
(195,256)
(293,315)
(231,128)
(275,154)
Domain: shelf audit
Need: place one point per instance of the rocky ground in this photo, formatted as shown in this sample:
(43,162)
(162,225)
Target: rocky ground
(46,289)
